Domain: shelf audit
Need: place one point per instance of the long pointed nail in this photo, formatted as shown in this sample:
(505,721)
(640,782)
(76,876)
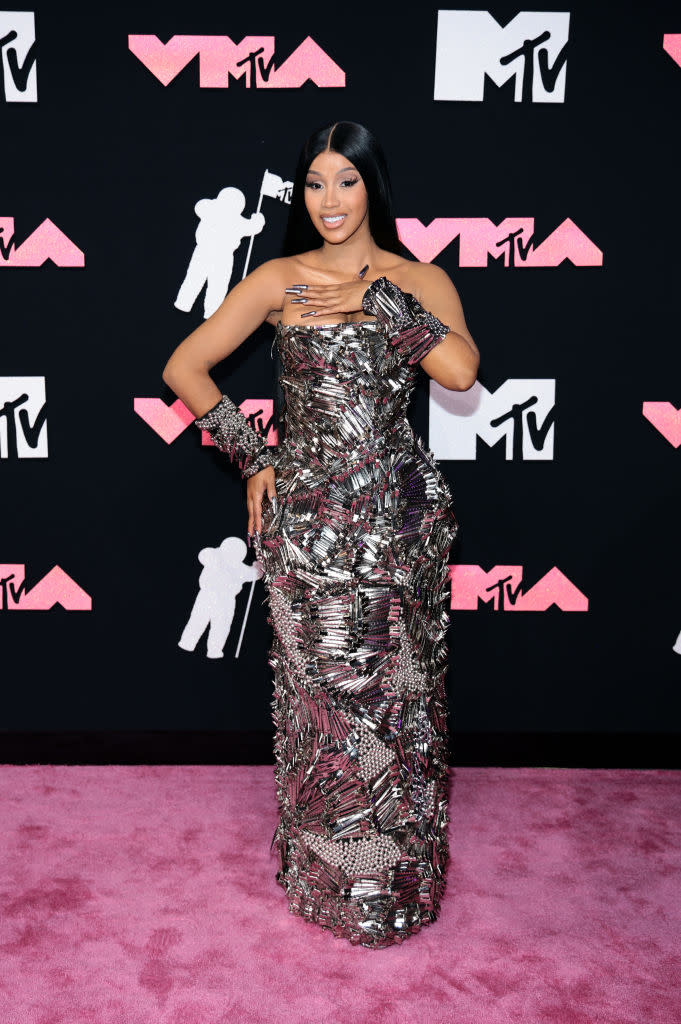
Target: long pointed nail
(363,270)
(273,502)
(293,291)
(301,286)
(298,300)
(312,312)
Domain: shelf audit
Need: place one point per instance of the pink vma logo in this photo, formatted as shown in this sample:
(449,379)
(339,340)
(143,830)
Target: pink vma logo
(512,240)
(665,418)
(47,242)
(503,587)
(671,44)
(252,58)
(55,588)
(169,421)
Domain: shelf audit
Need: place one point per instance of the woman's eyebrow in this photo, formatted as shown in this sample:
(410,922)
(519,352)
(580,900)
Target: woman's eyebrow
(342,170)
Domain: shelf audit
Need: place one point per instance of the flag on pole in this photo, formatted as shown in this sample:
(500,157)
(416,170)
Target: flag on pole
(275,187)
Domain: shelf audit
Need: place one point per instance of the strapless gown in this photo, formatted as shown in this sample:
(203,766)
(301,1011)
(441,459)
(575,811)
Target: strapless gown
(355,562)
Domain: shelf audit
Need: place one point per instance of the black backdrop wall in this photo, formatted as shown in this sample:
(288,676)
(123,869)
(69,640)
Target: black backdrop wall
(554,209)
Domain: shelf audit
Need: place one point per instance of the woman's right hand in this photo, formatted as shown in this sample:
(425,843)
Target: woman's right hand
(257,486)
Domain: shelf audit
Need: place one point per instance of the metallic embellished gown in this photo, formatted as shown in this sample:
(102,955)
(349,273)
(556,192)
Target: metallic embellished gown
(355,565)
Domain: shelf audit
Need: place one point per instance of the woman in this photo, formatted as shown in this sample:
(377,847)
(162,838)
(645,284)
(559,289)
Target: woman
(354,539)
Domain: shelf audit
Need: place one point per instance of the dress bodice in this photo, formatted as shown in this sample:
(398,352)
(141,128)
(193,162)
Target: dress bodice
(346,388)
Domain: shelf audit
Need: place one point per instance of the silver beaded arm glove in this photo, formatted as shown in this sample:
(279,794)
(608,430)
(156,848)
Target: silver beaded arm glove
(231,432)
(411,329)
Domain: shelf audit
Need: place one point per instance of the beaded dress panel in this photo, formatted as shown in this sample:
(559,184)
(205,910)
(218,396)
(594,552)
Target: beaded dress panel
(355,561)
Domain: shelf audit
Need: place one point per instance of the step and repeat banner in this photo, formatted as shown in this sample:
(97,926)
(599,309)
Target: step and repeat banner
(147,163)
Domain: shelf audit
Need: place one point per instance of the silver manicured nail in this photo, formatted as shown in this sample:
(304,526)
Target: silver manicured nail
(293,291)
(300,286)
(363,270)
(311,312)
(298,300)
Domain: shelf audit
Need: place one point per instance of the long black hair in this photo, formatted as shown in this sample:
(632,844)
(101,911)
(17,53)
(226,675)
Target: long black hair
(361,148)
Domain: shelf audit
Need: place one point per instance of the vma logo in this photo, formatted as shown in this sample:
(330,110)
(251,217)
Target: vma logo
(472,46)
(512,241)
(169,421)
(252,59)
(23,418)
(503,589)
(520,415)
(55,588)
(666,418)
(18,80)
(47,242)
(671,44)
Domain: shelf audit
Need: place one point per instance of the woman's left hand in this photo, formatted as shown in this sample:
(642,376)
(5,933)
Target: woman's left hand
(324,299)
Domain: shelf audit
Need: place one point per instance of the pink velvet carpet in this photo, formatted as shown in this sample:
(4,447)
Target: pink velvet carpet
(146,895)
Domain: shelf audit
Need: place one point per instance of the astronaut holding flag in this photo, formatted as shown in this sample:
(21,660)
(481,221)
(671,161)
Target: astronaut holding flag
(221,229)
(273,187)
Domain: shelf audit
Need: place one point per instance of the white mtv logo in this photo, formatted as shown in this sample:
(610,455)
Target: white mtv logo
(531,48)
(23,418)
(18,57)
(521,411)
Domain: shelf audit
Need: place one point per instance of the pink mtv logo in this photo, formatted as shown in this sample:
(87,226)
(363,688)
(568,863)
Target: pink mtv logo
(666,419)
(55,588)
(513,239)
(503,586)
(672,45)
(47,242)
(220,58)
(169,421)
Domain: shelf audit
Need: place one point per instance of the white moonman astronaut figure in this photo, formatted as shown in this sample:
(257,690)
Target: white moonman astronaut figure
(221,579)
(218,236)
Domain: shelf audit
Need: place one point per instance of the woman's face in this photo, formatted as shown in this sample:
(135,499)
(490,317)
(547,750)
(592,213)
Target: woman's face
(335,196)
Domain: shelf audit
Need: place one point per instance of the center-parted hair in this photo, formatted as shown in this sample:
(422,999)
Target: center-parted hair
(361,148)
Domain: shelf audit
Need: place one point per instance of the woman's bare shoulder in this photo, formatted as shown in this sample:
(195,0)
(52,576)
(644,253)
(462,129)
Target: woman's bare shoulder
(417,277)
(395,268)
(275,270)
(274,276)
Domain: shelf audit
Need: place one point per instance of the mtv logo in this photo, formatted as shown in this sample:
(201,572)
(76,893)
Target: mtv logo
(23,418)
(18,57)
(530,48)
(521,413)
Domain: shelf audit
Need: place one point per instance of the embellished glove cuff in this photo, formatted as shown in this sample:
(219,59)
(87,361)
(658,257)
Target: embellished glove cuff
(231,432)
(411,329)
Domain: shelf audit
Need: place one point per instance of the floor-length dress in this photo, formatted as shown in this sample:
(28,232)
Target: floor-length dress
(355,561)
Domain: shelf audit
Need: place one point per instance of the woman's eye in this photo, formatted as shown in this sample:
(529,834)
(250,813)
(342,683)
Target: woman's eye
(350,181)
(311,184)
